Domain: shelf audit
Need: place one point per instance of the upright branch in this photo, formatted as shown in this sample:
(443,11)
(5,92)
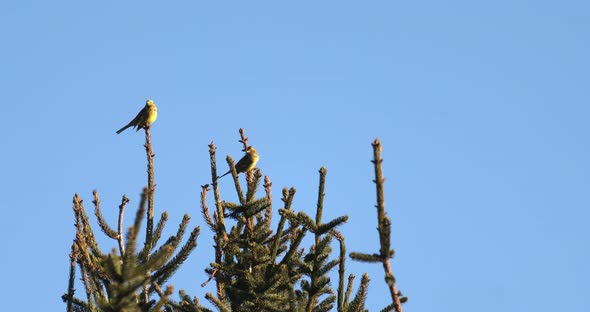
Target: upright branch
(384,228)
(234,173)
(219,213)
(71,280)
(341,269)
(124,202)
(205,208)
(209,221)
(320,205)
(219,219)
(250,186)
(101,221)
(287,200)
(267,190)
(118,235)
(317,257)
(151,185)
(244,141)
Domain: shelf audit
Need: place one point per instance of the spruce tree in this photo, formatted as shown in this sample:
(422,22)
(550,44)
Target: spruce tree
(255,268)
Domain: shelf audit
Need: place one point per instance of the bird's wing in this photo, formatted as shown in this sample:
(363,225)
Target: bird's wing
(243,163)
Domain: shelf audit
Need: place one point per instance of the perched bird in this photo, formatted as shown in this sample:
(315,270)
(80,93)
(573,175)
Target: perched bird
(247,163)
(144,118)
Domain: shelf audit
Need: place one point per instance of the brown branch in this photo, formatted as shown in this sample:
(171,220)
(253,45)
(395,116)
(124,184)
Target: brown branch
(215,270)
(85,239)
(151,185)
(244,140)
(384,226)
(101,221)
(150,210)
(83,224)
(205,208)
(210,278)
(124,202)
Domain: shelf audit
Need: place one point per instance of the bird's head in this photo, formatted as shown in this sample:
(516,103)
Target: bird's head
(149,103)
(250,150)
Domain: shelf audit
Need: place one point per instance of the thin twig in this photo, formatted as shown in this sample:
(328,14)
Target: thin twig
(244,140)
(101,221)
(120,238)
(217,256)
(210,278)
(205,208)
(215,270)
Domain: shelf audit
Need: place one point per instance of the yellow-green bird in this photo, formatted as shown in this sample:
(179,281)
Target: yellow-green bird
(144,118)
(247,163)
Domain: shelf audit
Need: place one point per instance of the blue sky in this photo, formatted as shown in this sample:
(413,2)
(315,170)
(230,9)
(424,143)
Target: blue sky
(482,108)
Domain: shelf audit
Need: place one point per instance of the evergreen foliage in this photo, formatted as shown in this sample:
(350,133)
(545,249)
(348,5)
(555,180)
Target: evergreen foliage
(256,267)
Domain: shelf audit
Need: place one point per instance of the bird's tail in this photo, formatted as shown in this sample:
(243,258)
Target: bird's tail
(123,129)
(223,175)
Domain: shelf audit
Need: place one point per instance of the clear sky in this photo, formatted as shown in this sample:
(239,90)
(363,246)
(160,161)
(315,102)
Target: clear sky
(482,108)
